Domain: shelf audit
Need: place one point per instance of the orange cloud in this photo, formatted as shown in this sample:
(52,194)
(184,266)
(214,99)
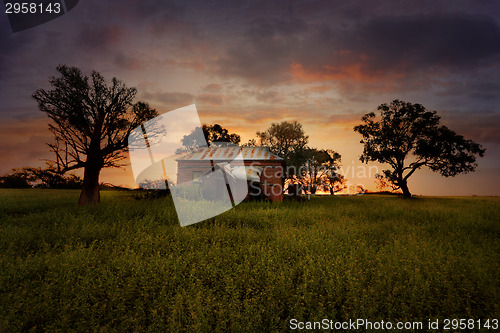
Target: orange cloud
(210,99)
(188,63)
(328,73)
(320,88)
(379,81)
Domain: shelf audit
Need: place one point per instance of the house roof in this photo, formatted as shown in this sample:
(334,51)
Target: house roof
(230,153)
(251,173)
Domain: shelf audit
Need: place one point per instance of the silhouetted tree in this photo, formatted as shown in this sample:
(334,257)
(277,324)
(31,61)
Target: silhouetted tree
(91,122)
(409,137)
(50,178)
(383,185)
(320,169)
(37,177)
(289,141)
(250,143)
(216,133)
(212,134)
(16,178)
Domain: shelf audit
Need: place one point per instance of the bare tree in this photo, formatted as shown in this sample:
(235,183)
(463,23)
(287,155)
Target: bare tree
(91,121)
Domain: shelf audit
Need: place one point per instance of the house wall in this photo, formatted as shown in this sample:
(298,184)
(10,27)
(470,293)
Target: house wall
(271,178)
(186,169)
(272,181)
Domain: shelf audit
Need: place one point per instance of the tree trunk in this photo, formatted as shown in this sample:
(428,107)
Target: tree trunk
(404,187)
(90,189)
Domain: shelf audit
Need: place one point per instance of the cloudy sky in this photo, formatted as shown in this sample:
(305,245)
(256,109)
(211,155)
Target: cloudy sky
(247,64)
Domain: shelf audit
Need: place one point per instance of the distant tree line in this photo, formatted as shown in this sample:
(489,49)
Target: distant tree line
(39,178)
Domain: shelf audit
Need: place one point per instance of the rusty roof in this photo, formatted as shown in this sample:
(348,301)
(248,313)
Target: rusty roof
(230,153)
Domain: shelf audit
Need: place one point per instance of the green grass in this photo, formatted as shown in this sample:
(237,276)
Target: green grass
(127,265)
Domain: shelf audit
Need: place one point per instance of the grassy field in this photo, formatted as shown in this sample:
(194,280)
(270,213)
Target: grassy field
(127,265)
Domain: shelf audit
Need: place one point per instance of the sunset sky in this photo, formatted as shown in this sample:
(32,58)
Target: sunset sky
(247,64)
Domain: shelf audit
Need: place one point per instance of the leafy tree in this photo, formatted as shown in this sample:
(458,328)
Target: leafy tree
(409,137)
(16,178)
(91,121)
(383,184)
(250,143)
(320,169)
(50,178)
(216,133)
(212,133)
(289,141)
(38,177)
(335,181)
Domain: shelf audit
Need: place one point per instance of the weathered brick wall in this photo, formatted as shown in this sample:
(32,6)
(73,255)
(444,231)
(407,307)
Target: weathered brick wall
(272,182)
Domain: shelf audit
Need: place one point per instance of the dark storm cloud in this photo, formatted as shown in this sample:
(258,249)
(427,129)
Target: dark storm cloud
(169,98)
(100,38)
(481,126)
(149,10)
(418,42)
(264,53)
(12,45)
(126,61)
(273,50)
(482,88)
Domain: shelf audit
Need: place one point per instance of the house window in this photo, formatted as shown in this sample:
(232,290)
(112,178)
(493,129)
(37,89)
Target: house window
(196,174)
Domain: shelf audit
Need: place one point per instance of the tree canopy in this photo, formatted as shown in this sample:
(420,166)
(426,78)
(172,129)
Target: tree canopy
(214,134)
(41,178)
(91,122)
(287,140)
(312,168)
(320,170)
(408,137)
